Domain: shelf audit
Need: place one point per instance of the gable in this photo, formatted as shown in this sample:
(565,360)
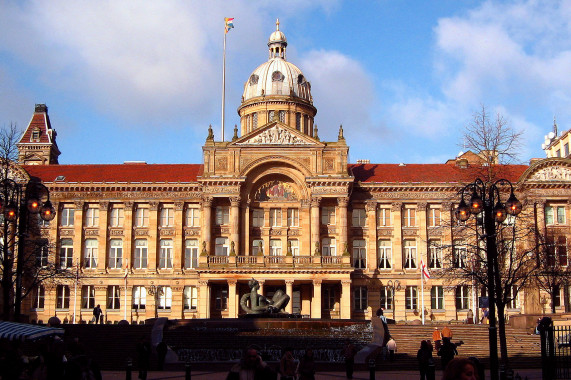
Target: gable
(549,170)
(276,133)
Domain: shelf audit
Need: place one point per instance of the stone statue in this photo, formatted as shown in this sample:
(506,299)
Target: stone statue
(261,305)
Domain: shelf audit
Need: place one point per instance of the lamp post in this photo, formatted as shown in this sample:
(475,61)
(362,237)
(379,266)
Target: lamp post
(486,198)
(393,286)
(18,202)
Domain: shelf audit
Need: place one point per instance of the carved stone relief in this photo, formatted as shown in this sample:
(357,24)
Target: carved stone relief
(275,135)
(221,163)
(553,173)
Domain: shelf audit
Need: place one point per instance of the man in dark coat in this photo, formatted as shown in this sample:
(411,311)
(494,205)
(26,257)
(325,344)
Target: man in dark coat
(97,314)
(251,367)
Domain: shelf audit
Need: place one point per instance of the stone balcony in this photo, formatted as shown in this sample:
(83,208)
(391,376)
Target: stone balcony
(274,261)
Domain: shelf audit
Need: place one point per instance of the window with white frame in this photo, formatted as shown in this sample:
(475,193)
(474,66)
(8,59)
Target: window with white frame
(87,297)
(165,254)
(434,219)
(257,247)
(293,246)
(139,297)
(191,253)
(42,256)
(117,216)
(409,217)
(90,254)
(437,298)
(383,217)
(190,298)
(555,214)
(142,216)
(167,217)
(328,247)
(222,215)
(65,253)
(276,217)
(435,254)
(164,297)
(114,297)
(360,298)
(293,217)
(257,217)
(411,298)
(39,297)
(328,298)
(510,220)
(460,254)
(409,254)
(513,302)
(462,297)
(192,217)
(67,215)
(328,216)
(92,216)
(62,297)
(221,299)
(221,247)
(275,247)
(141,253)
(359,254)
(384,253)
(386,297)
(359,217)
(115,259)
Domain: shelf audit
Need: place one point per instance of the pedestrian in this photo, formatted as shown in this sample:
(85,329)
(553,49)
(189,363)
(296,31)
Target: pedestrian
(470,317)
(349,352)
(161,354)
(447,333)
(424,357)
(251,367)
(306,369)
(437,338)
(392,347)
(447,352)
(143,357)
(460,368)
(288,365)
(97,314)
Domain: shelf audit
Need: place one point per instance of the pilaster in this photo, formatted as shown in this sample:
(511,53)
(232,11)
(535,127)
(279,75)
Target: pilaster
(203,299)
(178,242)
(235,223)
(289,292)
(206,212)
(316,300)
(345,307)
(232,299)
(396,212)
(153,236)
(371,236)
(102,238)
(342,234)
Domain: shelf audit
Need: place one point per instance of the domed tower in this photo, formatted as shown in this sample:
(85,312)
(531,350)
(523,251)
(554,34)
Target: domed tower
(277,90)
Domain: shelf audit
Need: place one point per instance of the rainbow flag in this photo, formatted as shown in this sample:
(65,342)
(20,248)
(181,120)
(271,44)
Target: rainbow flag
(228,24)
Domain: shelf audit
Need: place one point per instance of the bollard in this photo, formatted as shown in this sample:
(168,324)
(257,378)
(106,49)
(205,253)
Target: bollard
(372,367)
(129,369)
(187,371)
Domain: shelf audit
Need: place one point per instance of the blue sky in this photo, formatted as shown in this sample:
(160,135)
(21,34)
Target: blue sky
(141,80)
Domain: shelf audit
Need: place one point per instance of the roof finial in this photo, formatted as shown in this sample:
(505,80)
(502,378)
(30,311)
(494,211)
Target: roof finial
(554,126)
(277,24)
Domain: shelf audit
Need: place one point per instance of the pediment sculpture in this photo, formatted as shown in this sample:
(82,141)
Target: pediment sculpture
(553,173)
(275,136)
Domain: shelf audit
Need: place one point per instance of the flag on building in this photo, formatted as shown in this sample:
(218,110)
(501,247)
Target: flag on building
(424,270)
(228,23)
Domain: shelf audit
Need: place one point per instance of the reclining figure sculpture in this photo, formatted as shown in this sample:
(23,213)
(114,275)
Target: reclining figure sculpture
(261,305)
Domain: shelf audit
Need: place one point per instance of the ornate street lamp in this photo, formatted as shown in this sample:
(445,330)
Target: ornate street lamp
(393,286)
(486,198)
(18,202)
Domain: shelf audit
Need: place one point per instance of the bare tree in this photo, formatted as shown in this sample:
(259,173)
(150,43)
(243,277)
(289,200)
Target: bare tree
(553,272)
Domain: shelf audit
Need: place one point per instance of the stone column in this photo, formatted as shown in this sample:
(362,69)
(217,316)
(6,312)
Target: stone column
(315,225)
(152,259)
(102,240)
(305,248)
(78,234)
(232,299)
(316,300)
(289,292)
(206,211)
(128,236)
(261,290)
(203,299)
(421,248)
(235,223)
(246,221)
(396,210)
(345,299)
(342,234)
(371,235)
(178,241)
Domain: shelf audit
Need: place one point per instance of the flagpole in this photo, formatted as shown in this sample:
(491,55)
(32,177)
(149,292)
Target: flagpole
(223,82)
(422,293)
(126,273)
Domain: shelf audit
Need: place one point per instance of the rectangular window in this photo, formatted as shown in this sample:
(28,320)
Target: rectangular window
(141,252)
(222,215)
(62,297)
(139,297)
(293,246)
(359,254)
(164,298)
(116,217)
(409,217)
(410,254)
(190,300)
(359,217)
(566,149)
(67,215)
(275,247)
(141,217)
(434,217)
(411,297)
(221,299)
(90,254)
(165,254)
(191,253)
(556,296)
(167,217)
(192,217)
(257,217)
(328,216)
(42,256)
(88,297)
(328,298)
(221,246)
(460,254)
(360,298)
(383,217)
(384,253)
(462,297)
(92,216)
(257,247)
(115,259)
(39,296)
(437,298)
(435,254)
(554,214)
(292,217)
(328,247)
(386,297)
(114,297)
(66,253)
(276,217)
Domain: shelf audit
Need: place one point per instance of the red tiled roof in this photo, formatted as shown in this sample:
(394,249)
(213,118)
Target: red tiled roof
(130,173)
(427,173)
(41,121)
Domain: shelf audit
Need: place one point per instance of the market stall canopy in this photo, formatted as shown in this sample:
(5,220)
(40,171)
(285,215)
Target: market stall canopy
(23,331)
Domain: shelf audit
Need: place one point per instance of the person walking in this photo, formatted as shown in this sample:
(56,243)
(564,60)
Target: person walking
(288,365)
(349,352)
(447,352)
(446,333)
(392,347)
(437,338)
(306,369)
(425,360)
(97,314)
(143,357)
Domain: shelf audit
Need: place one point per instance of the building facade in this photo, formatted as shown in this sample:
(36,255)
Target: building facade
(276,204)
